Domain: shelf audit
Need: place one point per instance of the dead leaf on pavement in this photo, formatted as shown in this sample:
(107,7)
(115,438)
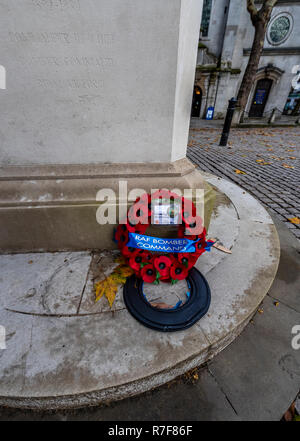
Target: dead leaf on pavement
(219,246)
(240,172)
(287,166)
(294,220)
(262,162)
(110,285)
(161,305)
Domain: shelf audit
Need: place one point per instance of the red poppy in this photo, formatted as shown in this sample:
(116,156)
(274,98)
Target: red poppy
(195,228)
(121,236)
(145,199)
(148,273)
(138,228)
(187,259)
(163,264)
(128,252)
(179,272)
(138,213)
(200,247)
(146,256)
(136,261)
(188,211)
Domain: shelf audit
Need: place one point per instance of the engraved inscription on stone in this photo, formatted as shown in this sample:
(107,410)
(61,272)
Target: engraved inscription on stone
(81,76)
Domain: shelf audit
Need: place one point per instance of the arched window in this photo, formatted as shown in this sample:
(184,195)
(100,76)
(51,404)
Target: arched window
(207,4)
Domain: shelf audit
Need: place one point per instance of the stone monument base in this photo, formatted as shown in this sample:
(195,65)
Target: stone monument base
(53,208)
(65,351)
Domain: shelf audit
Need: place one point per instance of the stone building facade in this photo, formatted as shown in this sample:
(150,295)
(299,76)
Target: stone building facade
(225,42)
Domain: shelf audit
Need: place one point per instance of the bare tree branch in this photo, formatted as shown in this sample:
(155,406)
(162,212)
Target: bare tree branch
(252,9)
(267,7)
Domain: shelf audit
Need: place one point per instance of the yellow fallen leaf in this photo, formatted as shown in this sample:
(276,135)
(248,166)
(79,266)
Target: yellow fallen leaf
(260,311)
(287,166)
(240,172)
(100,288)
(111,291)
(196,377)
(294,220)
(110,285)
(121,260)
(276,303)
(259,160)
(292,157)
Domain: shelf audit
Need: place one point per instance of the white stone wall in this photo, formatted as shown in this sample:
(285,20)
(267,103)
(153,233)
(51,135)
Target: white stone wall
(93,81)
(214,40)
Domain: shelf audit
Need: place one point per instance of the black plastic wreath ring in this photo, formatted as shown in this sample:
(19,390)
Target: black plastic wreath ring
(166,320)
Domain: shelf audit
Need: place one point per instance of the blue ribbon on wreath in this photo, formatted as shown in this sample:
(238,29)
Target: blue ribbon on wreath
(161,245)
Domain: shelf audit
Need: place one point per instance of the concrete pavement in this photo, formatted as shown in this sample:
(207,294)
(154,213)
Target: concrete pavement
(255,378)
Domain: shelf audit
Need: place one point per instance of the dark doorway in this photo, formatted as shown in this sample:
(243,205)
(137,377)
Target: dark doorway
(197,99)
(260,98)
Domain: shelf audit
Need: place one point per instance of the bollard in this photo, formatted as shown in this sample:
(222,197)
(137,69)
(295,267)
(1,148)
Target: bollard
(227,123)
(272,117)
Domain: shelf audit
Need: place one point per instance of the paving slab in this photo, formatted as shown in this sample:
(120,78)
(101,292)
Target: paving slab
(81,354)
(286,286)
(200,400)
(260,373)
(43,283)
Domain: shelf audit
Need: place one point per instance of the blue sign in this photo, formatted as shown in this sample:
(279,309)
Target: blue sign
(161,245)
(210,113)
(260,96)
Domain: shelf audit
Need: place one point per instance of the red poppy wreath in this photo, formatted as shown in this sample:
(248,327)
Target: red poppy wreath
(156,259)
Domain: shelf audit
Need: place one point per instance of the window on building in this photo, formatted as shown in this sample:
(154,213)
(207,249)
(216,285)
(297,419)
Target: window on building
(207,4)
(279,28)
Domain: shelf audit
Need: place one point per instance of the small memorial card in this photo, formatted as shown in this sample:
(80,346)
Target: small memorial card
(165,213)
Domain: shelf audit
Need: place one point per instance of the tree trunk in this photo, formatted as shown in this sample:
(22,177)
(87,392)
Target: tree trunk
(260,20)
(250,72)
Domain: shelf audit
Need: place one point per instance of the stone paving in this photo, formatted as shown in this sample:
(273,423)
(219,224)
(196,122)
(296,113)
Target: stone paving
(255,378)
(269,157)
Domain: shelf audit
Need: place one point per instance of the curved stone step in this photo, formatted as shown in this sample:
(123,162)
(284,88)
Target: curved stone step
(64,351)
